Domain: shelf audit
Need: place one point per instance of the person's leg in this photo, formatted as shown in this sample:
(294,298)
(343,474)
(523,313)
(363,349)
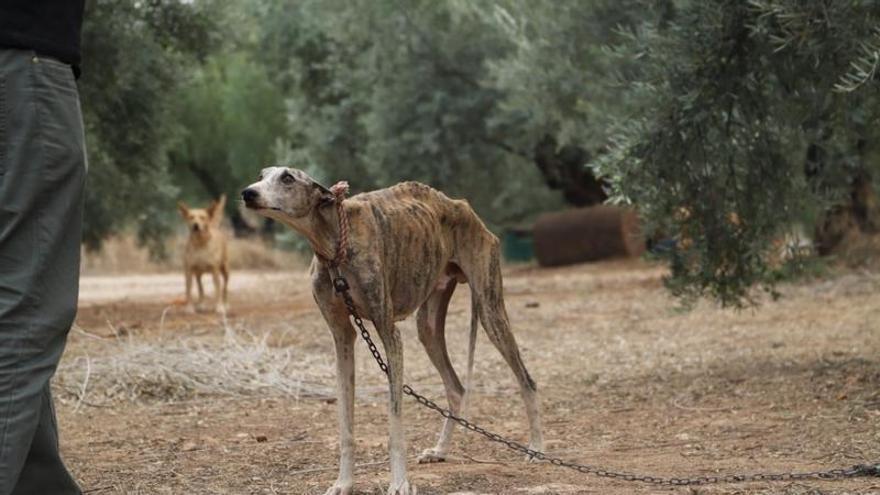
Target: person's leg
(44,472)
(42,175)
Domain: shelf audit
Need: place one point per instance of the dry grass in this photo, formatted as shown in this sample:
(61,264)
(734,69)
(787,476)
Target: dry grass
(241,364)
(256,254)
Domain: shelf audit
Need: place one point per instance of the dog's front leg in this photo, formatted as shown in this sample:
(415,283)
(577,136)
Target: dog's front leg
(343,339)
(397,443)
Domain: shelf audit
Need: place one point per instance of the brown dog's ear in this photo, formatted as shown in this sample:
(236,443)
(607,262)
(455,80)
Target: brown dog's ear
(184,210)
(216,208)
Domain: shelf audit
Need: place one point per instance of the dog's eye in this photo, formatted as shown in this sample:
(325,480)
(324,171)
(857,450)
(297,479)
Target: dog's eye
(287,178)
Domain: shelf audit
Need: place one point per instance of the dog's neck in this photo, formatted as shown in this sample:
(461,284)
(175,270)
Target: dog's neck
(201,237)
(321,228)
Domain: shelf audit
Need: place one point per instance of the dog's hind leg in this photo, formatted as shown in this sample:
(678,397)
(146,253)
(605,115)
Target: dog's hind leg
(431,322)
(224,272)
(484,276)
(472,346)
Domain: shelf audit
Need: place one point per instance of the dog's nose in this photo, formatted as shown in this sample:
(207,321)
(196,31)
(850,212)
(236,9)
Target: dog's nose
(249,195)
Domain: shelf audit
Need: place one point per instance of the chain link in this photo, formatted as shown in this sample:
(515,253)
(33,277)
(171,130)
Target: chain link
(859,470)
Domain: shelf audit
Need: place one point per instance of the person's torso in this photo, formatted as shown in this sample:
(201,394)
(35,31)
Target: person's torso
(49,27)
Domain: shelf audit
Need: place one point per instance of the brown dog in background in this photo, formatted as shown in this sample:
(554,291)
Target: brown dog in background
(205,252)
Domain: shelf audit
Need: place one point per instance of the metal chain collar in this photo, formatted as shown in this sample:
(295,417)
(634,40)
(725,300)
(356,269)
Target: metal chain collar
(856,471)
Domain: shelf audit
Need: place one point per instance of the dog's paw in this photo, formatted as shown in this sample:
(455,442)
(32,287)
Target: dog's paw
(430,456)
(403,488)
(220,309)
(340,489)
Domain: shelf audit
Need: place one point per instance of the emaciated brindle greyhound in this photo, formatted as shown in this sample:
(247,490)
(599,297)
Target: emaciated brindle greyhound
(408,247)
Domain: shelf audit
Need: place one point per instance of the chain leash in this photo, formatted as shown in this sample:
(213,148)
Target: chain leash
(341,286)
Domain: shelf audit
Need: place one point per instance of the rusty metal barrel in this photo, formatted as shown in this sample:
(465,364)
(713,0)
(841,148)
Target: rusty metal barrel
(587,234)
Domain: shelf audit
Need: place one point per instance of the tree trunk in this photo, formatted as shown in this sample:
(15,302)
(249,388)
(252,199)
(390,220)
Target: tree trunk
(565,169)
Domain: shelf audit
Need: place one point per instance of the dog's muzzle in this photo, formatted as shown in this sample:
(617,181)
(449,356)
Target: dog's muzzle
(249,196)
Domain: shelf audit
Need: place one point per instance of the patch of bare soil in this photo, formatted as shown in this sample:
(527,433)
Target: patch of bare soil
(156,401)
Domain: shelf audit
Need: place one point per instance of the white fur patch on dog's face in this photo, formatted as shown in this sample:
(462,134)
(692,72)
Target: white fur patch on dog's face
(283,193)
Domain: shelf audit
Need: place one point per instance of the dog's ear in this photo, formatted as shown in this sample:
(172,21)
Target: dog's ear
(216,208)
(184,210)
(325,197)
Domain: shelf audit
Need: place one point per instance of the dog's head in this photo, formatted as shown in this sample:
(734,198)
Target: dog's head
(285,194)
(200,220)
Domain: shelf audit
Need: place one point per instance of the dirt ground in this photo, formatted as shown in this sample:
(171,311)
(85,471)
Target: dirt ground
(156,401)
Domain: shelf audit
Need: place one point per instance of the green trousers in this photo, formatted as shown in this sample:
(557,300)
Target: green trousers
(42,176)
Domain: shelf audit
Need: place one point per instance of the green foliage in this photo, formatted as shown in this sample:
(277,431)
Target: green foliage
(229,115)
(386,91)
(558,79)
(324,101)
(132,61)
(732,93)
(725,121)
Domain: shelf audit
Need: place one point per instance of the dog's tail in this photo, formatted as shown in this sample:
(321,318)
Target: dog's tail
(472,345)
